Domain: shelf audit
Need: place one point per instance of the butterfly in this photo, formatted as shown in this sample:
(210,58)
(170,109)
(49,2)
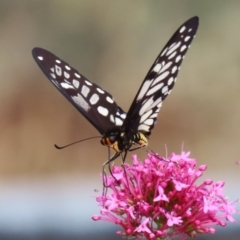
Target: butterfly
(121,131)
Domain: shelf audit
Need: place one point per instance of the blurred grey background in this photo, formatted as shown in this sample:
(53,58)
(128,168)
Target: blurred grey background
(49,194)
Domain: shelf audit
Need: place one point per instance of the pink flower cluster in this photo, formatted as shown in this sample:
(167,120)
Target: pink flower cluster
(159,198)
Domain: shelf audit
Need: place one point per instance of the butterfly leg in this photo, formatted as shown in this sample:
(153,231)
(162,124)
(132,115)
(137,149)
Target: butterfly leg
(123,161)
(136,148)
(110,159)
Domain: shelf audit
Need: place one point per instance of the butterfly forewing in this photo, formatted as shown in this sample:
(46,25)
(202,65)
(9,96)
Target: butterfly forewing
(160,80)
(121,131)
(97,105)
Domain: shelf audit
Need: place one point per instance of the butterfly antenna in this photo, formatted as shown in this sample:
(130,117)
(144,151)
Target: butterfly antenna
(82,140)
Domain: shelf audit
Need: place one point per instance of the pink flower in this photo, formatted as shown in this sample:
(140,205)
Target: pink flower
(143,227)
(157,199)
(161,195)
(171,220)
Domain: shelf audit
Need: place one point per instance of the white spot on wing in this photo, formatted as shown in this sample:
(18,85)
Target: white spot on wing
(170,81)
(165,90)
(110,100)
(103,111)
(123,115)
(100,90)
(165,67)
(174,69)
(144,127)
(186,38)
(160,104)
(172,45)
(66,85)
(94,99)
(75,83)
(58,70)
(154,89)
(88,83)
(174,48)
(67,67)
(79,100)
(144,89)
(178,58)
(66,74)
(85,90)
(157,67)
(145,116)
(53,75)
(112,118)
(77,75)
(156,102)
(145,106)
(40,58)
(164,51)
(67,81)
(149,122)
(154,115)
(161,77)
(118,121)
(58,61)
(183,48)
(172,55)
(182,29)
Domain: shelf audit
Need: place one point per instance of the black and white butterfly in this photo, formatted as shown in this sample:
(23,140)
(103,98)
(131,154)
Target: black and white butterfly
(121,131)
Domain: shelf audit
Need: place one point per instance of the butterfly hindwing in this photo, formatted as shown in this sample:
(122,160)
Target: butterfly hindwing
(160,80)
(97,105)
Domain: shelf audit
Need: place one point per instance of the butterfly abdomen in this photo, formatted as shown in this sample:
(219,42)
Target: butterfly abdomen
(140,139)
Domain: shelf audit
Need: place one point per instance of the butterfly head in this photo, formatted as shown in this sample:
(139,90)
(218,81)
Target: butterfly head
(116,140)
(121,141)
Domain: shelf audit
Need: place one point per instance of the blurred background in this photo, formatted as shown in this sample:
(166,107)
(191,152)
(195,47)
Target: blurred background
(49,194)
